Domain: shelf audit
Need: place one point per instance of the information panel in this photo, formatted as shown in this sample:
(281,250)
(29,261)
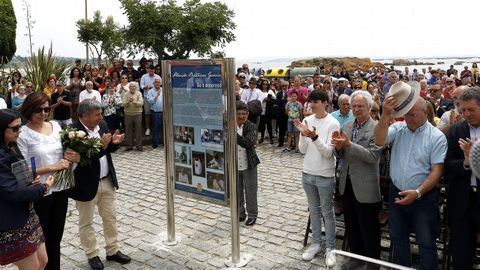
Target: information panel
(198,130)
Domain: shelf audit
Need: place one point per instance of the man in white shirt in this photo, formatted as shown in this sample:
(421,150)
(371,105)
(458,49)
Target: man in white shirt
(146,83)
(96,187)
(89,93)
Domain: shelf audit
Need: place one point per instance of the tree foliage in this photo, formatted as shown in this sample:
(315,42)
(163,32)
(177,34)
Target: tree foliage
(8,29)
(40,65)
(174,32)
(106,37)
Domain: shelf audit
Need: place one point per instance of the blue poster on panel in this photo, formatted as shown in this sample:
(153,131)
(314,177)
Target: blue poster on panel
(198,130)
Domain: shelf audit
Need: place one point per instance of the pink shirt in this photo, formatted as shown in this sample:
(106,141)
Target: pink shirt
(300,92)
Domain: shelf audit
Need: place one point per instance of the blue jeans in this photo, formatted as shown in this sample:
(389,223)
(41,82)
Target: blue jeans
(319,191)
(157,119)
(421,216)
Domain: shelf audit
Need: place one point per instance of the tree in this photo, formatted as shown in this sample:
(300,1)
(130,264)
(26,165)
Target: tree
(107,38)
(174,32)
(8,29)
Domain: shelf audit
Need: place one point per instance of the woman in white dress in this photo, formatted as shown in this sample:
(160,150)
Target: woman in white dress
(41,140)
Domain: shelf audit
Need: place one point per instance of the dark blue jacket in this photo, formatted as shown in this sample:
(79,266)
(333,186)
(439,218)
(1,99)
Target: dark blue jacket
(14,199)
(87,177)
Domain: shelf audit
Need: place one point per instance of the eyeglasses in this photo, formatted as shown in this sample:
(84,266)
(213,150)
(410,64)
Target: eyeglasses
(449,81)
(326,82)
(124,78)
(45,110)
(29,86)
(15,128)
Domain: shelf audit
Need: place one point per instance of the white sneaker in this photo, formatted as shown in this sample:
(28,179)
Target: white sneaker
(311,251)
(330,259)
(147,132)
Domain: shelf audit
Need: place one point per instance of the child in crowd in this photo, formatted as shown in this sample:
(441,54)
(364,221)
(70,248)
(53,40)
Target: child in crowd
(294,111)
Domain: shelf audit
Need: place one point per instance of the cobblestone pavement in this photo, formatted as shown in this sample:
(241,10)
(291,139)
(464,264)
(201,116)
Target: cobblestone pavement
(202,229)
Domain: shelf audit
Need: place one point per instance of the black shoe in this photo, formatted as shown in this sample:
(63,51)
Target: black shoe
(280,145)
(128,149)
(119,257)
(95,263)
(242,219)
(261,141)
(352,264)
(250,221)
(271,141)
(139,149)
(154,146)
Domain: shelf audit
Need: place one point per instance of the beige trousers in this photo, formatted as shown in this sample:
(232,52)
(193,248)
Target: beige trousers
(105,202)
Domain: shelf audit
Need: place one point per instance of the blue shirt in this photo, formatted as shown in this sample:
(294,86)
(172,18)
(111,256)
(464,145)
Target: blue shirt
(413,153)
(156,105)
(342,119)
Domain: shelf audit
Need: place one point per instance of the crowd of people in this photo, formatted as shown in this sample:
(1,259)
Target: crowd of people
(342,122)
(346,123)
(31,233)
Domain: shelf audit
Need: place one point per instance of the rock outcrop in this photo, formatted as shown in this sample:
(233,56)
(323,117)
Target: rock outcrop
(350,63)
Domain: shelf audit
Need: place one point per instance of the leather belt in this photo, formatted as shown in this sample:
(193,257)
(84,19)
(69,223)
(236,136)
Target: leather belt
(105,177)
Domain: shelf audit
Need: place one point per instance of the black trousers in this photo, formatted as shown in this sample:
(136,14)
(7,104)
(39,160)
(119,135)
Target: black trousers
(361,224)
(463,233)
(282,129)
(265,120)
(52,211)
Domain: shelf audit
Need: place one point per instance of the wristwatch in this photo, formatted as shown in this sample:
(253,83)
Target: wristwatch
(315,138)
(419,194)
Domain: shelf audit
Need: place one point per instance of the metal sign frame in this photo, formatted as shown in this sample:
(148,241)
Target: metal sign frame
(229,153)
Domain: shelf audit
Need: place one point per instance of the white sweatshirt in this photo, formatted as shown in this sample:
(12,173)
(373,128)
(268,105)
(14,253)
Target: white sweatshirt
(319,154)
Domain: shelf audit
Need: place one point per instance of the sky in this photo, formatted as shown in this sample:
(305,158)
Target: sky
(268,29)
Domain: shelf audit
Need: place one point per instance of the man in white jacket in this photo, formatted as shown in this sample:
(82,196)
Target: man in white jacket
(319,173)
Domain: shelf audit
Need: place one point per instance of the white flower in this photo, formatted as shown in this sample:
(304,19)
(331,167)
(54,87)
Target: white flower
(71,134)
(81,134)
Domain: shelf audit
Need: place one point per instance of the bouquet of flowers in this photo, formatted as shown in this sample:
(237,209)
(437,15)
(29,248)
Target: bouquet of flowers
(85,146)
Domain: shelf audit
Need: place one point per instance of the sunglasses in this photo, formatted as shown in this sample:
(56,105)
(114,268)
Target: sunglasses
(15,128)
(45,110)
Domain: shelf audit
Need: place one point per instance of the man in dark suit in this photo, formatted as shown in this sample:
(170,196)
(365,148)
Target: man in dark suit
(282,117)
(463,195)
(95,186)
(359,180)
(443,105)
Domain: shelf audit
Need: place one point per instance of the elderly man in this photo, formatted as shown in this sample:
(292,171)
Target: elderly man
(132,104)
(453,116)
(155,98)
(392,78)
(344,114)
(359,180)
(463,195)
(417,157)
(442,104)
(251,94)
(89,93)
(146,83)
(96,186)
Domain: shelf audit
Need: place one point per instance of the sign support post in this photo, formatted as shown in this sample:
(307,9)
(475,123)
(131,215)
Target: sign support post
(168,129)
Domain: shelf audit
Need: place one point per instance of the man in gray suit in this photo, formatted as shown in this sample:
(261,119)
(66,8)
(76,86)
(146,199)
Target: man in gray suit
(359,180)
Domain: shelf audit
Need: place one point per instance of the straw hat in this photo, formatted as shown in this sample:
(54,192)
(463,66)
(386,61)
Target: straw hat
(406,94)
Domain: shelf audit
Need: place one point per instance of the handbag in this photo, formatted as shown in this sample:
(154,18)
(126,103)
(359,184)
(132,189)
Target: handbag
(255,107)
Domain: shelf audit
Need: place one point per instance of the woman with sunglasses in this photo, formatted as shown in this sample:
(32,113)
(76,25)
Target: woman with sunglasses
(21,236)
(40,139)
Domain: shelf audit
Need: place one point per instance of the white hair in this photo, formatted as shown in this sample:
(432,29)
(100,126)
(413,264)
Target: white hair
(343,97)
(365,94)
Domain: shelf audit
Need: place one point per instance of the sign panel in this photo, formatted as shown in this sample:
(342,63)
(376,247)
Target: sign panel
(198,129)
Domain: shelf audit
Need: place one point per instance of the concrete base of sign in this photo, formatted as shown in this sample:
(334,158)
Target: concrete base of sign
(243,261)
(169,243)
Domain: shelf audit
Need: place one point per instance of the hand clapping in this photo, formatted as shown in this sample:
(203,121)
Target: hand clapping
(303,128)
